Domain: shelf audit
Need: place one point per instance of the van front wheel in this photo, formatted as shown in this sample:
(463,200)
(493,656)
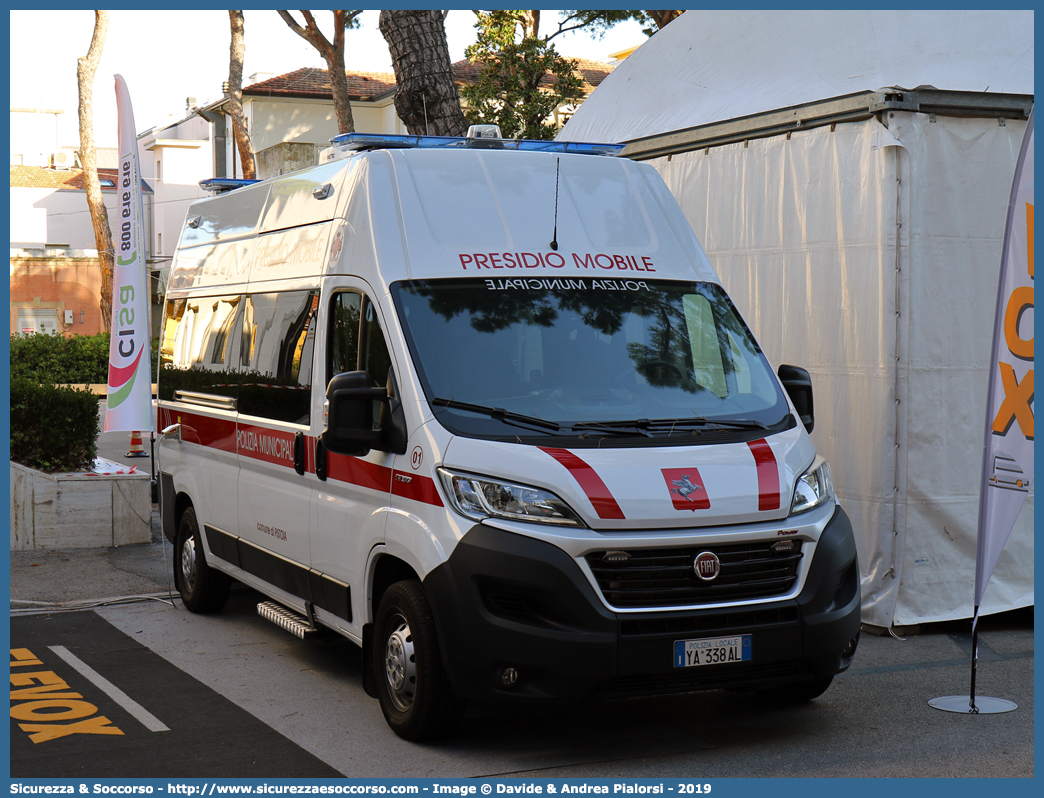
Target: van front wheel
(202,588)
(415,695)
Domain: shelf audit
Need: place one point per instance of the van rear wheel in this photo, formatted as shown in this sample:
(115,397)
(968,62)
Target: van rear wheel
(414,692)
(202,588)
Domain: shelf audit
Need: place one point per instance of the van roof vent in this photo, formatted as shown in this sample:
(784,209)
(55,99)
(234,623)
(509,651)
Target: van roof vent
(359,142)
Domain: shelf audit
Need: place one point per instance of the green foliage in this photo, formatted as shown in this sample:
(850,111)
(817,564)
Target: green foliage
(57,360)
(598,22)
(522,81)
(53,429)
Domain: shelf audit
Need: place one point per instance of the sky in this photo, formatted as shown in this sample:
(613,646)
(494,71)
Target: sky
(167,56)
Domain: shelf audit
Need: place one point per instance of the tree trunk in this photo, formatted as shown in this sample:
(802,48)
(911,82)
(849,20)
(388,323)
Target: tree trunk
(85,69)
(531,24)
(426,98)
(333,54)
(339,87)
(236,51)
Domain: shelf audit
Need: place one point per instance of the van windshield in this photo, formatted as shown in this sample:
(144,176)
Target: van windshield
(588,358)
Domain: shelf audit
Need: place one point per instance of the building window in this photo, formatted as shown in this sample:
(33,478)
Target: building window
(37,320)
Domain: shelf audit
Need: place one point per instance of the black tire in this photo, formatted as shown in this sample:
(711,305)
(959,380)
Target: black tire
(800,692)
(415,695)
(202,588)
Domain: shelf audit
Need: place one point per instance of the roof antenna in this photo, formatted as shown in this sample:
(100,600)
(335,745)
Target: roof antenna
(554,235)
(424,100)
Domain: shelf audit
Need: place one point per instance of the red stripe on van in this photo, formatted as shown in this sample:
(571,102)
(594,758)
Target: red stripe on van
(365,474)
(276,446)
(418,488)
(358,472)
(268,445)
(217,433)
(589,481)
(768,474)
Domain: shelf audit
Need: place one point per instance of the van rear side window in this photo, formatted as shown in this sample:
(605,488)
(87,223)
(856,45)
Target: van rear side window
(198,346)
(256,349)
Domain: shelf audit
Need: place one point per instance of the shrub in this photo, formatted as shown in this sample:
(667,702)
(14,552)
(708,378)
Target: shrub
(58,360)
(53,429)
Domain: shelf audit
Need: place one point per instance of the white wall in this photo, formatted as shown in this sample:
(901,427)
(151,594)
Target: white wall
(34,136)
(177,168)
(173,161)
(41,216)
(274,120)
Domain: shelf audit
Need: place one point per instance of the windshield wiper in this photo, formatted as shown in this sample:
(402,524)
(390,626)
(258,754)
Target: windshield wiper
(614,427)
(725,423)
(647,427)
(515,419)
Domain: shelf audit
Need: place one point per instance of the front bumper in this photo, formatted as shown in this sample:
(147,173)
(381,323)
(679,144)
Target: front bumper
(508,601)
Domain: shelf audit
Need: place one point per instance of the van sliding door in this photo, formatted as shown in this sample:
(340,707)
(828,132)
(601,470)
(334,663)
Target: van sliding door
(276,478)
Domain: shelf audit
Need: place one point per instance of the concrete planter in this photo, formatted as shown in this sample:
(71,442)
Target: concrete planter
(79,510)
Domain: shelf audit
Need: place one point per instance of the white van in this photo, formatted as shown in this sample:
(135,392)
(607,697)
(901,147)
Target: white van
(483,407)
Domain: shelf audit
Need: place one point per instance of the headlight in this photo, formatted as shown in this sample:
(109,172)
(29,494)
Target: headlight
(814,488)
(483,497)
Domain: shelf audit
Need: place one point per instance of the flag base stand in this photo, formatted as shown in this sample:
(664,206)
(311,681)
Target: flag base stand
(965,705)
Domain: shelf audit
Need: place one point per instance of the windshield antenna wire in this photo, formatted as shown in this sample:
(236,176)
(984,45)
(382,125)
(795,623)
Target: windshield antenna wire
(554,234)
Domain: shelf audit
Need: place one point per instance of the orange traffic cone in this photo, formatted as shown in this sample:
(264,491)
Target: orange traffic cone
(136,447)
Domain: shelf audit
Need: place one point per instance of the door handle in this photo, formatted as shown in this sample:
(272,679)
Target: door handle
(320,459)
(299,453)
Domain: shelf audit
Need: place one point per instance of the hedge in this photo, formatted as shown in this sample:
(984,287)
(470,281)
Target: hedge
(58,360)
(53,429)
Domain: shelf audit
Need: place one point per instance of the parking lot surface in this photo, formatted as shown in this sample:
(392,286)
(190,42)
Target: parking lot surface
(240,697)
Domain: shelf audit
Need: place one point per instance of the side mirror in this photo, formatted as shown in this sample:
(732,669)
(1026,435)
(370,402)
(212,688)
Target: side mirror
(351,411)
(349,424)
(798,385)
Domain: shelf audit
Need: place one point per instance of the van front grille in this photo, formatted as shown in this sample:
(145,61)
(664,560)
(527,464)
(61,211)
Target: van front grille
(647,578)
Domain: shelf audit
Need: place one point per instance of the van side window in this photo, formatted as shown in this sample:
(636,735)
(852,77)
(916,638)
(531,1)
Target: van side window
(356,340)
(344,334)
(374,351)
(198,347)
(275,362)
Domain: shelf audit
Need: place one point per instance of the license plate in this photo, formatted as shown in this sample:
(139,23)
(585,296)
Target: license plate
(712,651)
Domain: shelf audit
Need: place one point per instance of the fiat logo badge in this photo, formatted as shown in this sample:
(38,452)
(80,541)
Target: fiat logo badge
(707,565)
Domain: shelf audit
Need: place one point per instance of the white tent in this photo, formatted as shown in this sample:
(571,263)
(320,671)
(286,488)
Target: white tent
(859,230)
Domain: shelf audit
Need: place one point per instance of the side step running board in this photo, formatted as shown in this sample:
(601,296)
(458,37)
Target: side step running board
(288,619)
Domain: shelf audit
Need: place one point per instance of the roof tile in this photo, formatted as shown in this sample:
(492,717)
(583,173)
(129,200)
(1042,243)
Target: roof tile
(314,82)
(61,179)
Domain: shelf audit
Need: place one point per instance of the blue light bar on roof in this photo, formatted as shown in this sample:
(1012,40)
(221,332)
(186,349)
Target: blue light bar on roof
(357,142)
(222,184)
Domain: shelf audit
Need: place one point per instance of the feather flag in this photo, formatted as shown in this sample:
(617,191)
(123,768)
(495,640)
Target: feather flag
(129,405)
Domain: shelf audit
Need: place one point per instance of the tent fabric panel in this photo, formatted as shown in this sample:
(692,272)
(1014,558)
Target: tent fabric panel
(960,180)
(802,233)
